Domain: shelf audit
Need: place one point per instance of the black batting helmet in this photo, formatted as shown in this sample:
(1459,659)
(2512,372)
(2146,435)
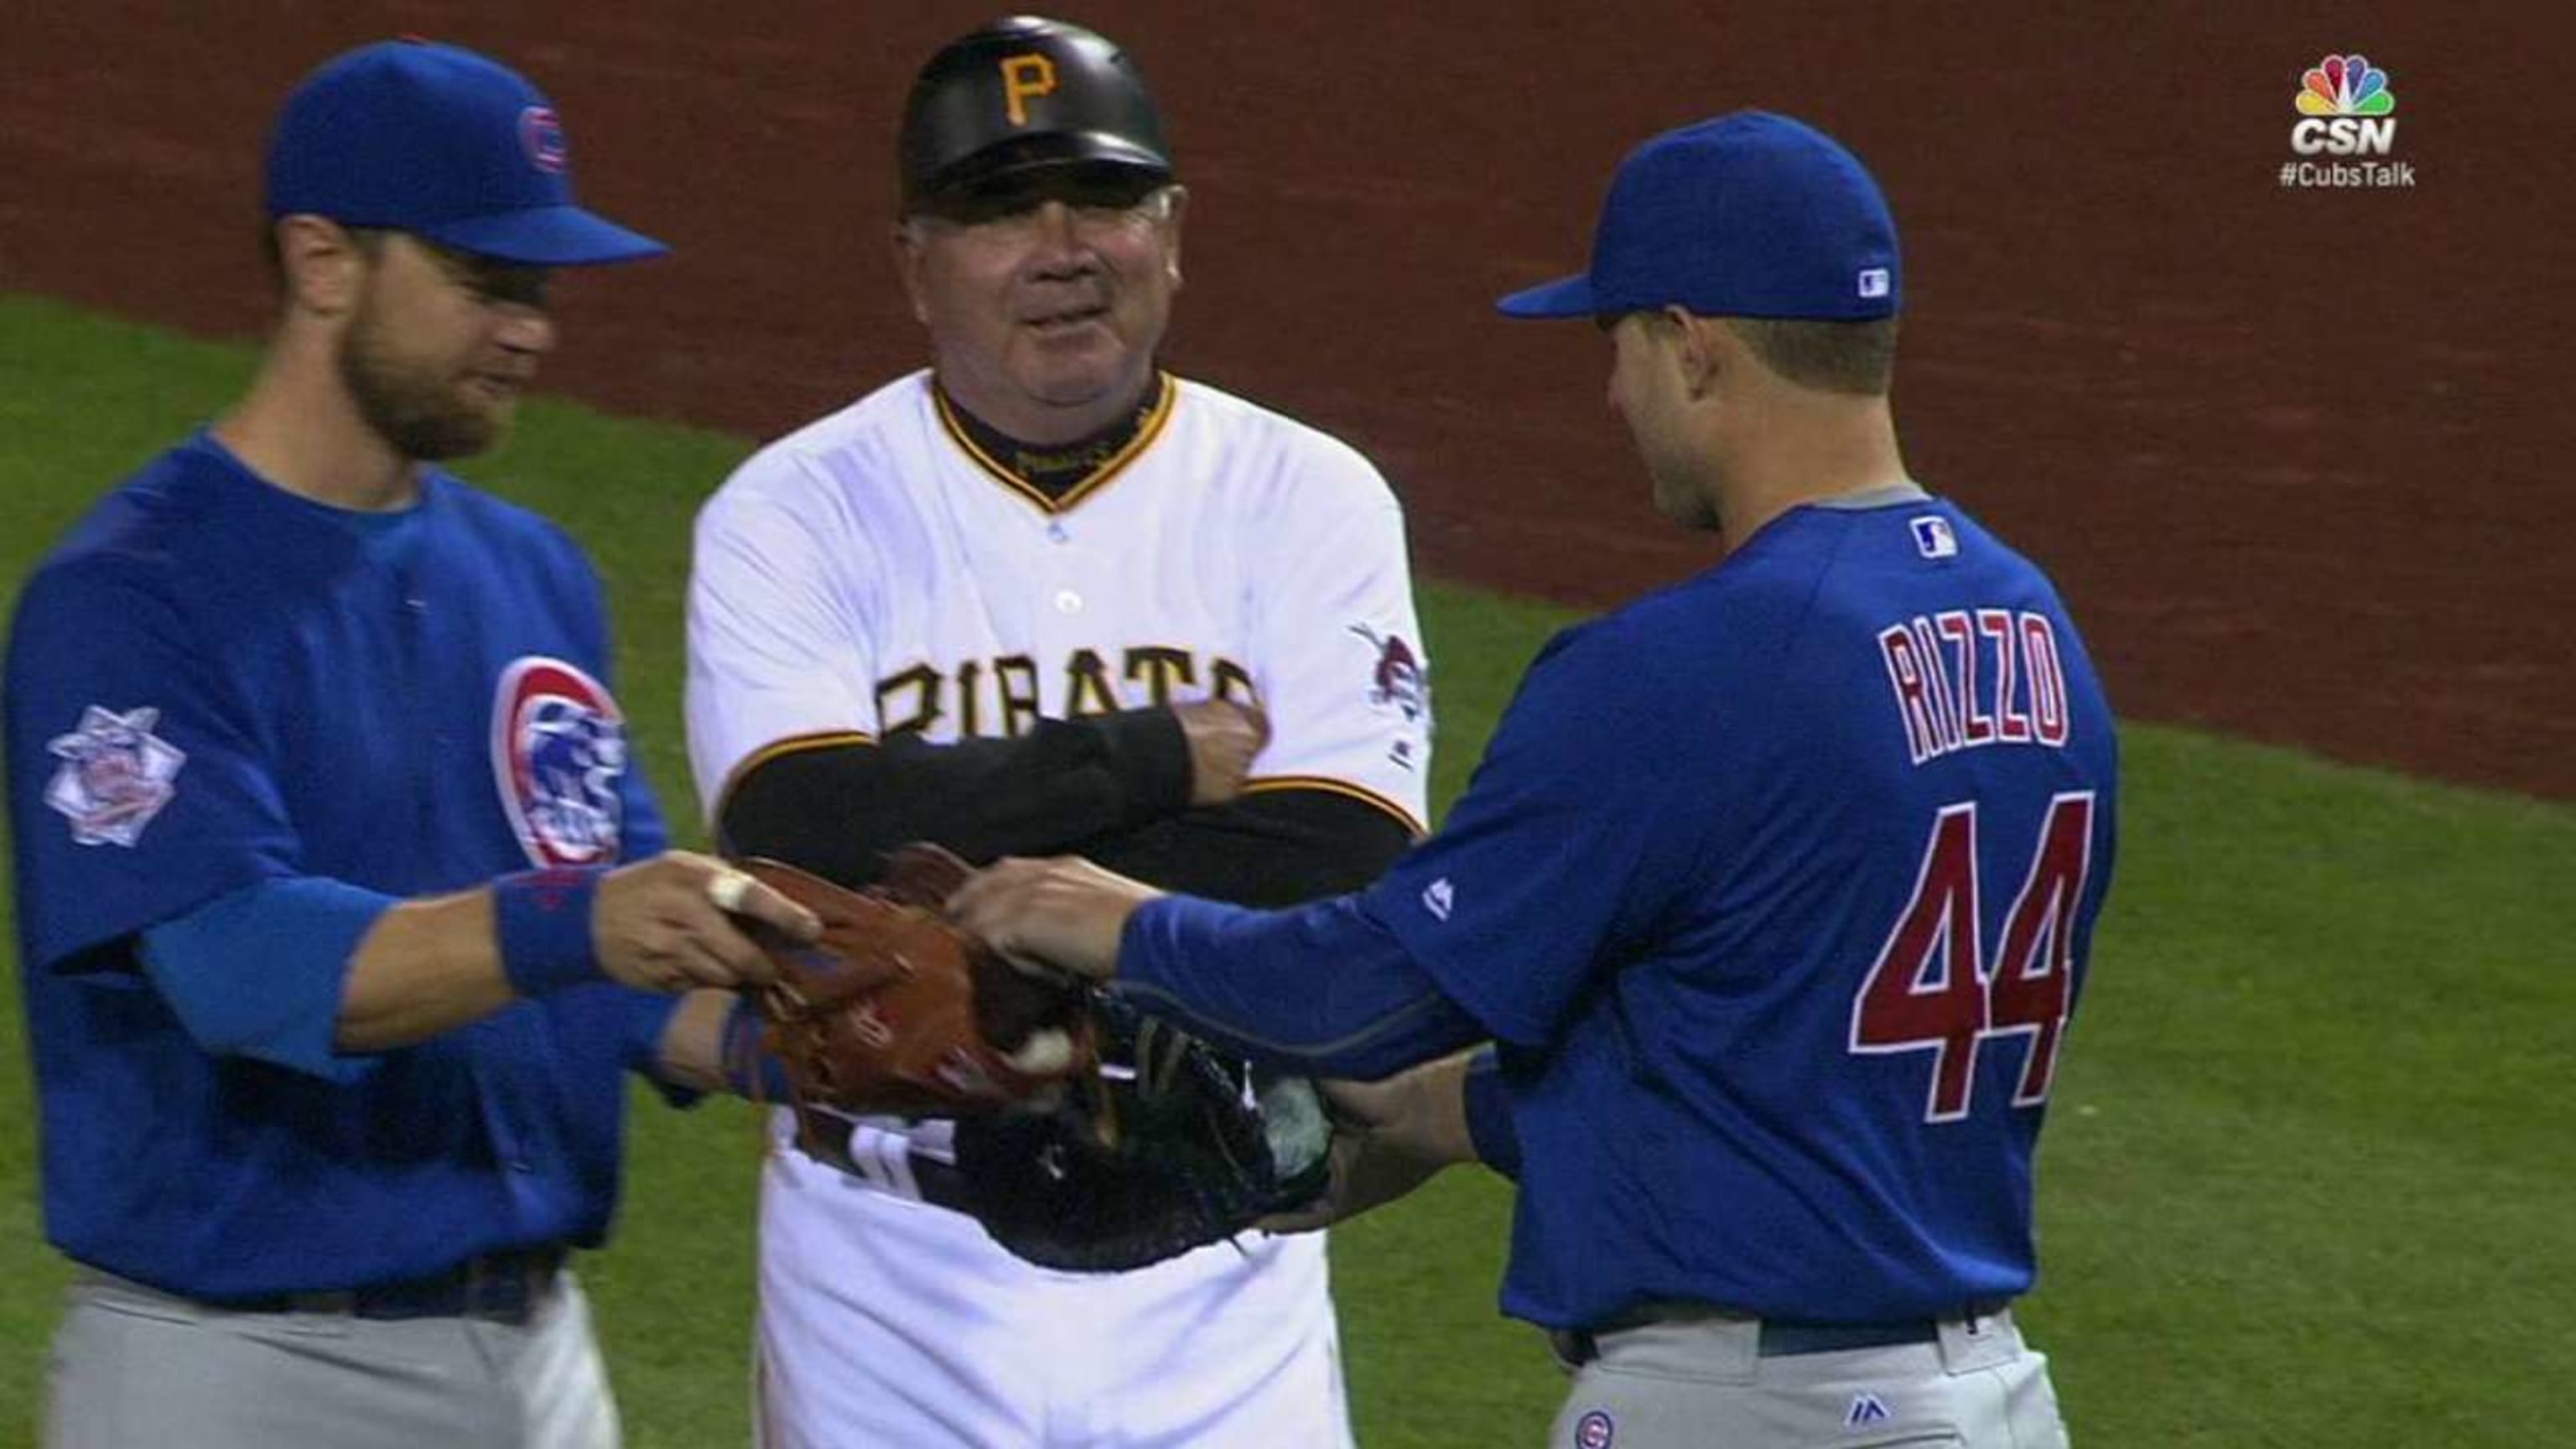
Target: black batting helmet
(1020,95)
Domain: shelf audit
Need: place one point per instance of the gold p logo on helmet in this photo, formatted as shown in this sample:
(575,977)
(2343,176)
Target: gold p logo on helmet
(1023,77)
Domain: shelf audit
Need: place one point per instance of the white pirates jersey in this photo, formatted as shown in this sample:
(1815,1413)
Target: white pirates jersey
(875,574)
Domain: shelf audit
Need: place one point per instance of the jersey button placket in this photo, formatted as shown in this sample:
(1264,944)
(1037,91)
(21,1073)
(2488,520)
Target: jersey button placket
(417,647)
(1070,583)
(418,608)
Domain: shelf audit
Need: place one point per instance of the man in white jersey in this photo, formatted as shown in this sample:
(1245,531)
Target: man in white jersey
(1044,596)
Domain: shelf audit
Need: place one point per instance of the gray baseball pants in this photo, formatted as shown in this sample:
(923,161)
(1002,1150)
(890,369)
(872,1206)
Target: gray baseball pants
(1702,1382)
(134,1368)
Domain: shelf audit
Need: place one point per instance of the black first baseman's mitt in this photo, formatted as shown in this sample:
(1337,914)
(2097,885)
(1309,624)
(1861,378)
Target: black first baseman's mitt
(1174,1147)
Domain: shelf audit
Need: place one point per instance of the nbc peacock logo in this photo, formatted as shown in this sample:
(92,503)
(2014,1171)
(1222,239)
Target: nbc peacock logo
(2346,109)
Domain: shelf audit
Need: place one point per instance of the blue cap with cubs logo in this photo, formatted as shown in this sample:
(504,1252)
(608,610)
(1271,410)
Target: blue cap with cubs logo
(1746,215)
(442,142)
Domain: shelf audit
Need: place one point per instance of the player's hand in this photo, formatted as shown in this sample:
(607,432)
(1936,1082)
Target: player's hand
(679,920)
(1389,1138)
(1066,913)
(1224,738)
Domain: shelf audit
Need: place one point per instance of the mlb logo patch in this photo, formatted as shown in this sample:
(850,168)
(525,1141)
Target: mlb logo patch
(1866,1409)
(1439,898)
(1933,538)
(1873,282)
(115,775)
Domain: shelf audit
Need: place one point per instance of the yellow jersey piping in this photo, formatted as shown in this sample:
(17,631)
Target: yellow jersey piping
(779,749)
(1109,468)
(1331,786)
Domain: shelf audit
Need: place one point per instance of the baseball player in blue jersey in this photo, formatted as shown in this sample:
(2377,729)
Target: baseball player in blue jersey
(1772,893)
(322,811)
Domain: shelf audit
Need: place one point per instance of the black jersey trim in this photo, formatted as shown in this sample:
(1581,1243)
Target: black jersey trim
(1168,395)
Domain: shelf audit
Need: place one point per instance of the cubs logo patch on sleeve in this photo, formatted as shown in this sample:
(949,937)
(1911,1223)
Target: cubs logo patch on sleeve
(558,755)
(115,775)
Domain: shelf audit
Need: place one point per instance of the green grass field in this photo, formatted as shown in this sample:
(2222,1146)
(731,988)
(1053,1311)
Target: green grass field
(2300,1186)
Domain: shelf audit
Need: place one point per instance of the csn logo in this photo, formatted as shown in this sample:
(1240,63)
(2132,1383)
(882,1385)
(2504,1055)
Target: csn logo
(2346,109)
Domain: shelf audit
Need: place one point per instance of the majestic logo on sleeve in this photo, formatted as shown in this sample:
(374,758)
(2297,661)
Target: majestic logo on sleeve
(558,754)
(115,776)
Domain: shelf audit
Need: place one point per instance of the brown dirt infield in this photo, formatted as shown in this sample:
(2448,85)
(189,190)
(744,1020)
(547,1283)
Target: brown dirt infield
(2291,453)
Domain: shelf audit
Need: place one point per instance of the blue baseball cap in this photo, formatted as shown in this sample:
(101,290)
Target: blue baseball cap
(1746,215)
(438,141)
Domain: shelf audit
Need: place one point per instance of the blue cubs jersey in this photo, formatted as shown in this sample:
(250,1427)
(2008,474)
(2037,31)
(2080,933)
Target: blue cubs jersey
(1776,888)
(213,683)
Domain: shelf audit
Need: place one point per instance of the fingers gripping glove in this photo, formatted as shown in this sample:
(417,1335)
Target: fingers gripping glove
(1176,1147)
(896,1010)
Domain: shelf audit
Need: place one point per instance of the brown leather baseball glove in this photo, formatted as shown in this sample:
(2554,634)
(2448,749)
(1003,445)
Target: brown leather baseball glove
(896,1010)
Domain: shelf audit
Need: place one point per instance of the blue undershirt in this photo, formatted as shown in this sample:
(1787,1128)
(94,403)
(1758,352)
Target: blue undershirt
(295,936)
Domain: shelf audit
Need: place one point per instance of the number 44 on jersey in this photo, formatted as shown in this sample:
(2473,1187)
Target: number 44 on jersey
(1934,987)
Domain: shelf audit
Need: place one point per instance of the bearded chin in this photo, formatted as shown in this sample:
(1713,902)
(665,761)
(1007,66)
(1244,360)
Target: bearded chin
(419,415)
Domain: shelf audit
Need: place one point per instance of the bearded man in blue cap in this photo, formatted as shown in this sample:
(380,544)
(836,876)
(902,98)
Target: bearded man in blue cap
(1773,893)
(343,907)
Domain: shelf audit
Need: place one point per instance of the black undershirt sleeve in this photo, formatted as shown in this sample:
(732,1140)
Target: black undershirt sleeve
(1268,849)
(838,809)
(1112,787)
